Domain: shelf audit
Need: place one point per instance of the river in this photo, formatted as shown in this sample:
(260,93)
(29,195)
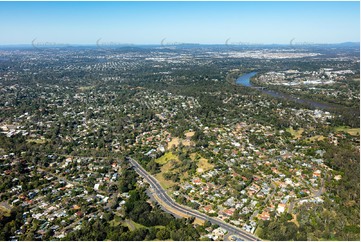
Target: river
(244,80)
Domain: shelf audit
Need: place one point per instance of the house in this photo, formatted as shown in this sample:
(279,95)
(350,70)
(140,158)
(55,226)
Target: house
(114,176)
(288,181)
(114,165)
(208,209)
(76,207)
(69,159)
(96,187)
(15,202)
(197,181)
(230,202)
(235,222)
(337,177)
(219,232)
(281,208)
(264,215)
(248,228)
(316,173)
(228,212)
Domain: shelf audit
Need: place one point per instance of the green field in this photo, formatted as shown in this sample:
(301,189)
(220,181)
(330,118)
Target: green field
(163,182)
(351,131)
(167,166)
(115,222)
(132,225)
(165,158)
(295,133)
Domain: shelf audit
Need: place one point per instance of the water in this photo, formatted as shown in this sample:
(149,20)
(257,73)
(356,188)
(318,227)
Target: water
(244,80)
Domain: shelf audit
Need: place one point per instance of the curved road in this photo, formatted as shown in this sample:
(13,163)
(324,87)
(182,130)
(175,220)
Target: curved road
(169,201)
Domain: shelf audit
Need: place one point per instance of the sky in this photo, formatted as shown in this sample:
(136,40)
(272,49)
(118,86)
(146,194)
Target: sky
(178,22)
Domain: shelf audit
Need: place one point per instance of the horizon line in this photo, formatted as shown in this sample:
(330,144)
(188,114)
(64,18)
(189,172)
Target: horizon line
(114,44)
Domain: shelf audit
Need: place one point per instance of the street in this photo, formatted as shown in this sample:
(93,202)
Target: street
(161,194)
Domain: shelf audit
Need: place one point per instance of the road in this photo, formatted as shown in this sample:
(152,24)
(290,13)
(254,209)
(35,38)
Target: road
(161,194)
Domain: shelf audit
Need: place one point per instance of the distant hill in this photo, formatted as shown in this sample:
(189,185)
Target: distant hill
(349,44)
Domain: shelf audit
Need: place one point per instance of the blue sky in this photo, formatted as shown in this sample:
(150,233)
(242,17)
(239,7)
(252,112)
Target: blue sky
(181,22)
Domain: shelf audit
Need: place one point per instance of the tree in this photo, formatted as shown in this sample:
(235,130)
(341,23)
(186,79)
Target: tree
(163,234)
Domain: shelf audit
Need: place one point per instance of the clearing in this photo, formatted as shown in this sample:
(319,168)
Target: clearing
(163,182)
(168,160)
(174,141)
(316,138)
(351,131)
(4,212)
(294,220)
(133,225)
(116,221)
(166,157)
(202,163)
(130,224)
(189,134)
(295,133)
(37,141)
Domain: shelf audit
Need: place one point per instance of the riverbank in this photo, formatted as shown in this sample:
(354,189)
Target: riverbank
(349,114)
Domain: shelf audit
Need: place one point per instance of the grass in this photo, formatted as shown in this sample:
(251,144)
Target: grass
(167,167)
(133,225)
(295,133)
(159,227)
(130,224)
(163,182)
(165,158)
(189,134)
(166,184)
(4,212)
(174,141)
(115,222)
(183,176)
(258,231)
(316,138)
(294,220)
(351,131)
(203,164)
(37,141)
(186,142)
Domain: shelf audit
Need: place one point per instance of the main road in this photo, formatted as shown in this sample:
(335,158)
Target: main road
(161,193)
